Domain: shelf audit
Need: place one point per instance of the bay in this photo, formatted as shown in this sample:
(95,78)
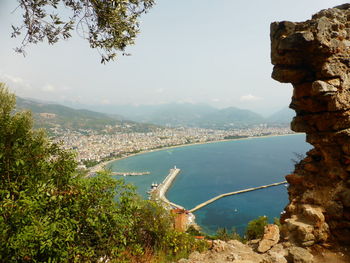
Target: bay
(208,170)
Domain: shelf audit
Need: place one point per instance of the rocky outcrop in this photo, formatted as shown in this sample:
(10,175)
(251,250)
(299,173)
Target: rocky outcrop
(314,56)
(270,238)
(299,255)
(236,252)
(231,251)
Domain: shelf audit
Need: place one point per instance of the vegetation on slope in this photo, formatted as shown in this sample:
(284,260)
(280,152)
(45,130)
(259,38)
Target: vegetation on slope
(52,116)
(49,212)
(254,230)
(191,115)
(196,115)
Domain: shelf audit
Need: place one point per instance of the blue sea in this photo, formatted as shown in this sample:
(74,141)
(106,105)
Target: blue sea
(208,170)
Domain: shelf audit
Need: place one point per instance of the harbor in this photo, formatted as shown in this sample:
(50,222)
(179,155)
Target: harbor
(199,181)
(184,218)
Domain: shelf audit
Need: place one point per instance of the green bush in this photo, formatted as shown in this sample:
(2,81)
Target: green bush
(225,235)
(50,212)
(192,231)
(255,228)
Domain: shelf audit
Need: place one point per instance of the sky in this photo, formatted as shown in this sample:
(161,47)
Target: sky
(195,51)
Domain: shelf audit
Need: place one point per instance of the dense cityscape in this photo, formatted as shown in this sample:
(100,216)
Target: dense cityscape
(93,148)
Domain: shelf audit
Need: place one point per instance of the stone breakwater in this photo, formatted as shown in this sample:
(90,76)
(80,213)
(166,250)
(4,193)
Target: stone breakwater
(164,187)
(183,218)
(233,193)
(314,56)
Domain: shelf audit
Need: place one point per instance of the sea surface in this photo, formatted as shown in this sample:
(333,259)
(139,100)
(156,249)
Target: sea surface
(208,170)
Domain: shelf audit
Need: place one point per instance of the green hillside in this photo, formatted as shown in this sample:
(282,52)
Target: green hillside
(192,115)
(55,116)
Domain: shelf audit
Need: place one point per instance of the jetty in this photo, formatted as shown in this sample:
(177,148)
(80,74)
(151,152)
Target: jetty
(233,193)
(130,173)
(160,191)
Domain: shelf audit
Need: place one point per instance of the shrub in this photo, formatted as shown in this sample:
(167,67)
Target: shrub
(192,231)
(50,212)
(255,228)
(225,235)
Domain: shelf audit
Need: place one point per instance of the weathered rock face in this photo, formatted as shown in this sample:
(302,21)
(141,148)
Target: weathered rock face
(315,57)
(270,238)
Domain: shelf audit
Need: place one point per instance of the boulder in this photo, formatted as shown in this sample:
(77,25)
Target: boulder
(278,254)
(299,255)
(270,238)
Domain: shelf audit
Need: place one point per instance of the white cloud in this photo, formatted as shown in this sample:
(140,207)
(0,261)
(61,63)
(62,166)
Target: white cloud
(215,100)
(14,80)
(105,102)
(49,88)
(66,88)
(17,85)
(160,90)
(250,97)
(186,100)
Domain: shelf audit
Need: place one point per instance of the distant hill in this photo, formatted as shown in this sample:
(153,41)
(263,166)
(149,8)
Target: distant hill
(174,115)
(51,116)
(139,117)
(195,115)
(283,116)
(188,115)
(232,118)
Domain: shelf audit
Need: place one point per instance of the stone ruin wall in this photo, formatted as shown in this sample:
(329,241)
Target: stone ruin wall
(315,57)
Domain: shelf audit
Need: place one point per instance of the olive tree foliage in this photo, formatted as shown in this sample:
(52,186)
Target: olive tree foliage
(108,25)
(49,212)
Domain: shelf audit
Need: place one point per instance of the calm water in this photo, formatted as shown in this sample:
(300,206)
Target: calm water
(211,169)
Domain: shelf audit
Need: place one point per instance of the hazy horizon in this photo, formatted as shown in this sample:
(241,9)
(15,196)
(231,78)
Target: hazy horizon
(188,51)
(113,108)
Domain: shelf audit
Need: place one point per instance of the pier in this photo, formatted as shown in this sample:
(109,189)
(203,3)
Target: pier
(130,173)
(233,193)
(161,190)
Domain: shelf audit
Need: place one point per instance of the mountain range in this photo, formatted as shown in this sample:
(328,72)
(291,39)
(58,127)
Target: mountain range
(147,117)
(195,115)
(52,116)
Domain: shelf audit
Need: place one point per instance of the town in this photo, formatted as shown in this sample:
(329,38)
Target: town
(93,148)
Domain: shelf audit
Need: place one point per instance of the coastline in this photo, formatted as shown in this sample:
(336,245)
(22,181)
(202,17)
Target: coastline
(193,219)
(103,165)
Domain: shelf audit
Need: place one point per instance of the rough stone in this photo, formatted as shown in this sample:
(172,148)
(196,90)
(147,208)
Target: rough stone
(231,251)
(313,213)
(300,255)
(345,197)
(314,57)
(299,231)
(278,254)
(195,256)
(322,87)
(270,238)
(219,245)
